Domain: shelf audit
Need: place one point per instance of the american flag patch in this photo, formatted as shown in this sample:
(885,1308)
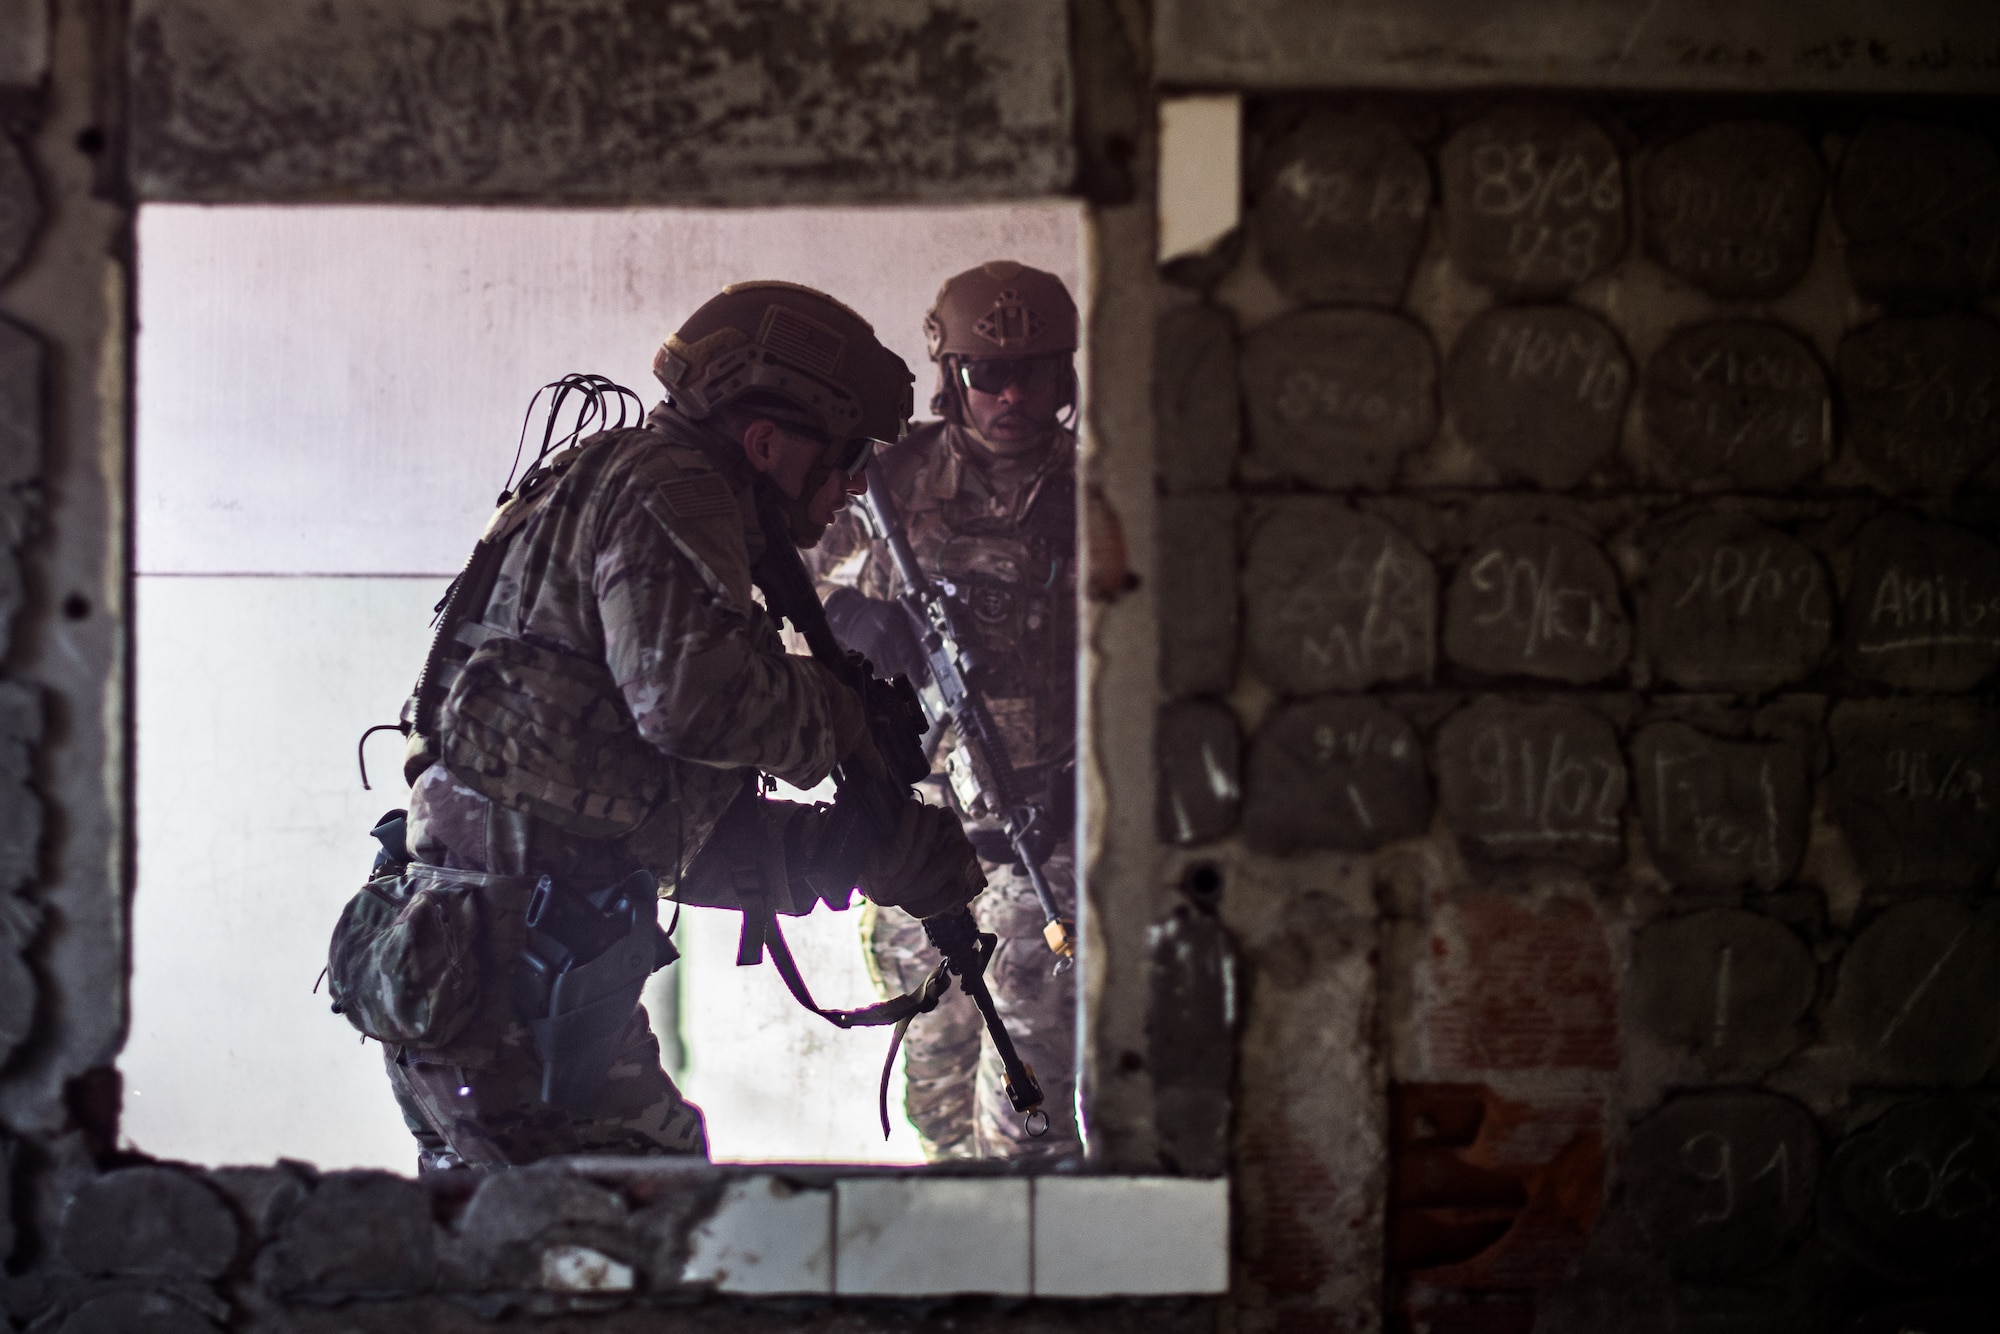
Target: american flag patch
(703,497)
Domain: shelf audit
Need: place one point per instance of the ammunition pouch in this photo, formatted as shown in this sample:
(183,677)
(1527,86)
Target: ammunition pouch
(547,732)
(406,961)
(587,959)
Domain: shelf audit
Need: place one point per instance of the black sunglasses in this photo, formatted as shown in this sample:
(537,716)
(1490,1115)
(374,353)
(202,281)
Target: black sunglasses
(992,375)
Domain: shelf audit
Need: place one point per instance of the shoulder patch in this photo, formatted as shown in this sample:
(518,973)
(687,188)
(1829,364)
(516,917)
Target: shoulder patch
(703,497)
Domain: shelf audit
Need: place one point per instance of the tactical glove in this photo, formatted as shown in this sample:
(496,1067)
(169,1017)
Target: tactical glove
(926,868)
(880,631)
(850,719)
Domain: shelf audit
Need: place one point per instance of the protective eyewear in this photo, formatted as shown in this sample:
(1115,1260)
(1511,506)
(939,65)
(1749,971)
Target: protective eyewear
(992,375)
(851,455)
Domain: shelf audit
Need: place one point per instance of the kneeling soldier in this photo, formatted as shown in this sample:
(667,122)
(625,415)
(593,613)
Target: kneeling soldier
(604,696)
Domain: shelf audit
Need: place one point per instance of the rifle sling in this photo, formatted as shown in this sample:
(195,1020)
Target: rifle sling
(897,1010)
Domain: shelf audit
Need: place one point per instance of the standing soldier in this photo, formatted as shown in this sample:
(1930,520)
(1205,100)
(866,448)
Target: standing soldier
(988,498)
(593,722)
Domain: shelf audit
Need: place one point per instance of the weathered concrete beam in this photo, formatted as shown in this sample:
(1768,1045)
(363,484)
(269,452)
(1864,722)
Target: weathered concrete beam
(1941,46)
(602,101)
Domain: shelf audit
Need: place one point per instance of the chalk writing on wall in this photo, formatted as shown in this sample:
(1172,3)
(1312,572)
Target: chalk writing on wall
(1340,773)
(1732,604)
(1736,402)
(1724,1181)
(1916,1192)
(1732,208)
(1337,397)
(1726,988)
(1720,814)
(1923,605)
(1534,201)
(1539,391)
(1913,789)
(1341,209)
(1919,204)
(1336,600)
(1537,600)
(1533,781)
(1922,398)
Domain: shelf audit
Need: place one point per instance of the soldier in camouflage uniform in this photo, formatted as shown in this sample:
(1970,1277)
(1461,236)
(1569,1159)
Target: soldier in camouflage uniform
(612,694)
(988,495)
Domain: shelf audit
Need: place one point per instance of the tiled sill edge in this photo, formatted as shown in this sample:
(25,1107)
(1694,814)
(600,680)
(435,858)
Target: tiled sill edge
(847,1232)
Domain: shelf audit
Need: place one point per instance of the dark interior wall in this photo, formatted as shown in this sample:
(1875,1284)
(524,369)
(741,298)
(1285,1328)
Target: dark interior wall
(1606,675)
(1608,882)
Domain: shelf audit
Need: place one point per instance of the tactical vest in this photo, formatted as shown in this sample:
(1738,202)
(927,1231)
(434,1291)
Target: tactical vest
(1015,576)
(529,725)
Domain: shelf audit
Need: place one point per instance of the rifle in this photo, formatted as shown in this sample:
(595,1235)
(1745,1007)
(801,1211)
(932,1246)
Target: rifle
(896,724)
(933,606)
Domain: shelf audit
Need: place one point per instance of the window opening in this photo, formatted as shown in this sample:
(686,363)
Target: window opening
(328,399)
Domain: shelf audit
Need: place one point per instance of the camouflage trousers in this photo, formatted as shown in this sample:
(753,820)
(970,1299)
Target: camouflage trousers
(955,1088)
(493,1115)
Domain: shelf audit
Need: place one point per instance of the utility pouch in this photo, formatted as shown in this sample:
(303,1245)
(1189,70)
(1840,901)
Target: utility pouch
(403,964)
(588,956)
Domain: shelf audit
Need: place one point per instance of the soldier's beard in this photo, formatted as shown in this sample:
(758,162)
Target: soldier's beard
(1014,451)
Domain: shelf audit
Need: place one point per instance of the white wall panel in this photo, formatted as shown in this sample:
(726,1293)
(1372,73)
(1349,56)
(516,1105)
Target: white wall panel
(253,831)
(339,390)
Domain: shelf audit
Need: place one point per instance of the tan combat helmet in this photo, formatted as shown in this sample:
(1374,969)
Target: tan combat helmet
(793,343)
(1000,309)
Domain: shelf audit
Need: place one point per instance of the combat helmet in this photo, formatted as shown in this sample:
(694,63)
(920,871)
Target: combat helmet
(1000,309)
(790,343)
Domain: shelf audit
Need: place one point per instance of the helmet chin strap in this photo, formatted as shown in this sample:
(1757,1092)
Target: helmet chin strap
(804,532)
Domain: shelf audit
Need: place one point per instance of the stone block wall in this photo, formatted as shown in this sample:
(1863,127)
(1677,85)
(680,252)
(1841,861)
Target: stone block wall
(1612,488)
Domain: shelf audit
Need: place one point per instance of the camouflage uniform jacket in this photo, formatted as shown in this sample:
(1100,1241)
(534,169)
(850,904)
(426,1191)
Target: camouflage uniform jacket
(1010,549)
(640,561)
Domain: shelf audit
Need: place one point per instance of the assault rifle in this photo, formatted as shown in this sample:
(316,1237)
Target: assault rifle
(933,606)
(896,725)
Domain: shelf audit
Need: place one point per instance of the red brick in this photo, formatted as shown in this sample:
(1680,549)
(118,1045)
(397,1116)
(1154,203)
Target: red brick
(1283,1249)
(1489,1193)
(1517,985)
